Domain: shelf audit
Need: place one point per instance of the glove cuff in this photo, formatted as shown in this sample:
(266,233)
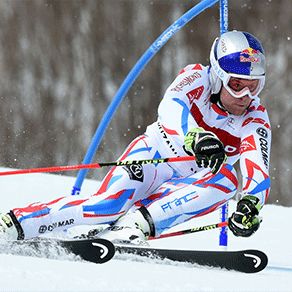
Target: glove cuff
(191,136)
(255,200)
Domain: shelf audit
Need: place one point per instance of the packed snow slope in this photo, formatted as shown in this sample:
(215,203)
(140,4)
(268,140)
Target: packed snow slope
(19,273)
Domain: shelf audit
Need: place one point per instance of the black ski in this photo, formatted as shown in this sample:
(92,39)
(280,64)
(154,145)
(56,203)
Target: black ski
(94,250)
(100,250)
(247,261)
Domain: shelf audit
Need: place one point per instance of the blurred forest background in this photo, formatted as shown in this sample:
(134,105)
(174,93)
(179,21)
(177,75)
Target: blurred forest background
(62,62)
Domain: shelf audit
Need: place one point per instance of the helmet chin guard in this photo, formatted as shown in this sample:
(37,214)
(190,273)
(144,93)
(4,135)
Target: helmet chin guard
(236,54)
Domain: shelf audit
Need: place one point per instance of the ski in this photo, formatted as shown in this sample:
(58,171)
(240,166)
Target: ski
(96,250)
(100,250)
(246,261)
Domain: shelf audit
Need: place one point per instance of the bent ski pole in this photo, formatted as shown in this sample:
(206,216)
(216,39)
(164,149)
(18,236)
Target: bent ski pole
(192,230)
(98,165)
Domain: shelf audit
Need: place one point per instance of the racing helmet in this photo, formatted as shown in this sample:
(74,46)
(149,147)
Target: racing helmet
(240,55)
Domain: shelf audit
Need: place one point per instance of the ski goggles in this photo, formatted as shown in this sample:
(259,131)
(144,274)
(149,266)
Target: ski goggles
(239,87)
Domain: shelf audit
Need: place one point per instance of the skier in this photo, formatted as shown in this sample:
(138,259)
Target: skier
(212,112)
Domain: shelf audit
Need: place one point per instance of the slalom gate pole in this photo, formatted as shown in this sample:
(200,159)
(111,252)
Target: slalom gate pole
(153,49)
(192,230)
(98,165)
(223,237)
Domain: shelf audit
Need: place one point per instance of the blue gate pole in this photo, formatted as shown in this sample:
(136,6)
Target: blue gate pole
(223,237)
(153,49)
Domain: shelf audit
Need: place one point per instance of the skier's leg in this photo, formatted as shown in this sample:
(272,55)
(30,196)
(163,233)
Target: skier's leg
(175,202)
(181,199)
(120,189)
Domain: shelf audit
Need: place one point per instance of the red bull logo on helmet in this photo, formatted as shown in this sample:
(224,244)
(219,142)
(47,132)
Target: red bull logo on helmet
(250,55)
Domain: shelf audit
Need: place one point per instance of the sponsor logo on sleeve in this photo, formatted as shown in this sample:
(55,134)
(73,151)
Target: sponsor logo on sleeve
(166,138)
(188,80)
(264,151)
(195,94)
(247,144)
(262,132)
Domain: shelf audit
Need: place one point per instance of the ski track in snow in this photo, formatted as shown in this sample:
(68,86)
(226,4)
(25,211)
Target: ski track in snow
(131,273)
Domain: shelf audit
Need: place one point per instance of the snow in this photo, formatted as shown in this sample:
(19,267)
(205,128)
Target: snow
(19,273)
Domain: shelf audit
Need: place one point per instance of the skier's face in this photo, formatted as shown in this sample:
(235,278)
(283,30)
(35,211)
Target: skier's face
(234,105)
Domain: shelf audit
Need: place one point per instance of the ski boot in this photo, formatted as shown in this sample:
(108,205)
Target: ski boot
(133,228)
(10,228)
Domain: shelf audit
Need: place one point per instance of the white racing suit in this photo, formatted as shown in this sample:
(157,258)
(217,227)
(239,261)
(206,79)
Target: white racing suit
(172,192)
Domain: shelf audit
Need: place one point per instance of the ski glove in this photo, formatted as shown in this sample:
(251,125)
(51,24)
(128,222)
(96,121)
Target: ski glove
(244,221)
(208,149)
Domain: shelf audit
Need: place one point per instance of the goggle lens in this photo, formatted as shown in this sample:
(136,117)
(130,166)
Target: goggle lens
(237,84)
(239,87)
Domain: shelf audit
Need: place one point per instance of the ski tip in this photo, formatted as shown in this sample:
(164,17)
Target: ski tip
(255,261)
(96,250)
(104,250)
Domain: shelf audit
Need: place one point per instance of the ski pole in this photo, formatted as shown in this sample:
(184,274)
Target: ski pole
(98,165)
(192,230)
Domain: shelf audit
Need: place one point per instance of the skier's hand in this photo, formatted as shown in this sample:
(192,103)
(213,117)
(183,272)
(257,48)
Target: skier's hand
(245,221)
(208,149)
